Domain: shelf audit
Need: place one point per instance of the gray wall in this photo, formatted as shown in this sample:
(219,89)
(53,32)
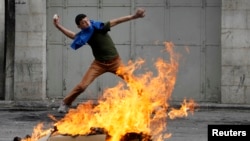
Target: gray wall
(2,13)
(188,24)
(30,50)
(235,42)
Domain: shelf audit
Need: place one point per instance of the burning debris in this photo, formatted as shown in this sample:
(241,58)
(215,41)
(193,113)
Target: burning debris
(96,134)
(20,139)
(136,137)
(17,139)
(133,111)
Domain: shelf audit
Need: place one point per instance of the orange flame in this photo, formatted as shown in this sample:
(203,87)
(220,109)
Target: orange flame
(138,105)
(38,132)
(183,111)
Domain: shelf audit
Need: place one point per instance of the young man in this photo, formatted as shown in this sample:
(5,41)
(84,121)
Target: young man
(95,34)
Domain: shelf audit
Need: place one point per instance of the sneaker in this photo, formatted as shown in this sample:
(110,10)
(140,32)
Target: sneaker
(63,108)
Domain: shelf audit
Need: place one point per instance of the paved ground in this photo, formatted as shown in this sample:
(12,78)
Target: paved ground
(20,122)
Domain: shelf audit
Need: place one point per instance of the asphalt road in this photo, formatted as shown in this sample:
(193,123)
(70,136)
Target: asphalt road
(191,128)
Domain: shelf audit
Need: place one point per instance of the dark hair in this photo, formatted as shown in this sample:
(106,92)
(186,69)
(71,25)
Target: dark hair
(79,17)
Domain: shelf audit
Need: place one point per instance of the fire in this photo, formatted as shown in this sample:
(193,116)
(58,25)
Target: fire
(138,105)
(38,133)
(183,111)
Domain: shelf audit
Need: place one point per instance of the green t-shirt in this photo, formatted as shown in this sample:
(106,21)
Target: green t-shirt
(102,45)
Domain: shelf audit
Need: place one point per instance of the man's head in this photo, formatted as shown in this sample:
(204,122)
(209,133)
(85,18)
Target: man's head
(82,21)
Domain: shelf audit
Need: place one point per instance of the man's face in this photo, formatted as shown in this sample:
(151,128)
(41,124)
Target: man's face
(84,23)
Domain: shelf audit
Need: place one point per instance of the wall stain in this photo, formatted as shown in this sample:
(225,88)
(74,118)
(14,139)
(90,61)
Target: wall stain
(241,83)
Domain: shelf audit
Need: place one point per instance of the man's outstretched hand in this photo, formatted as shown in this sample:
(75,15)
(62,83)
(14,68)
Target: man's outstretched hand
(140,13)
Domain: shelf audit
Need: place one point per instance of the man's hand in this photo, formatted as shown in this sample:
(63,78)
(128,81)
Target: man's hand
(56,20)
(140,13)
(64,30)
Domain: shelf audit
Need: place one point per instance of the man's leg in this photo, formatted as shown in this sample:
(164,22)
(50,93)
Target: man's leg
(93,72)
(119,69)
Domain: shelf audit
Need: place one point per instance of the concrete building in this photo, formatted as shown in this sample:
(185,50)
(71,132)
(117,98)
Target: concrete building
(36,61)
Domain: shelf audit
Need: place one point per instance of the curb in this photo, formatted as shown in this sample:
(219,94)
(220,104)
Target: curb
(46,105)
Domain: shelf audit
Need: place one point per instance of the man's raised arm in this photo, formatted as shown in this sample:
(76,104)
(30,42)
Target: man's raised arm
(140,13)
(64,30)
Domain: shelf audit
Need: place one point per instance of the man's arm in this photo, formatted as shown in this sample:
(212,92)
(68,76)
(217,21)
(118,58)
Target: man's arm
(64,30)
(140,13)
